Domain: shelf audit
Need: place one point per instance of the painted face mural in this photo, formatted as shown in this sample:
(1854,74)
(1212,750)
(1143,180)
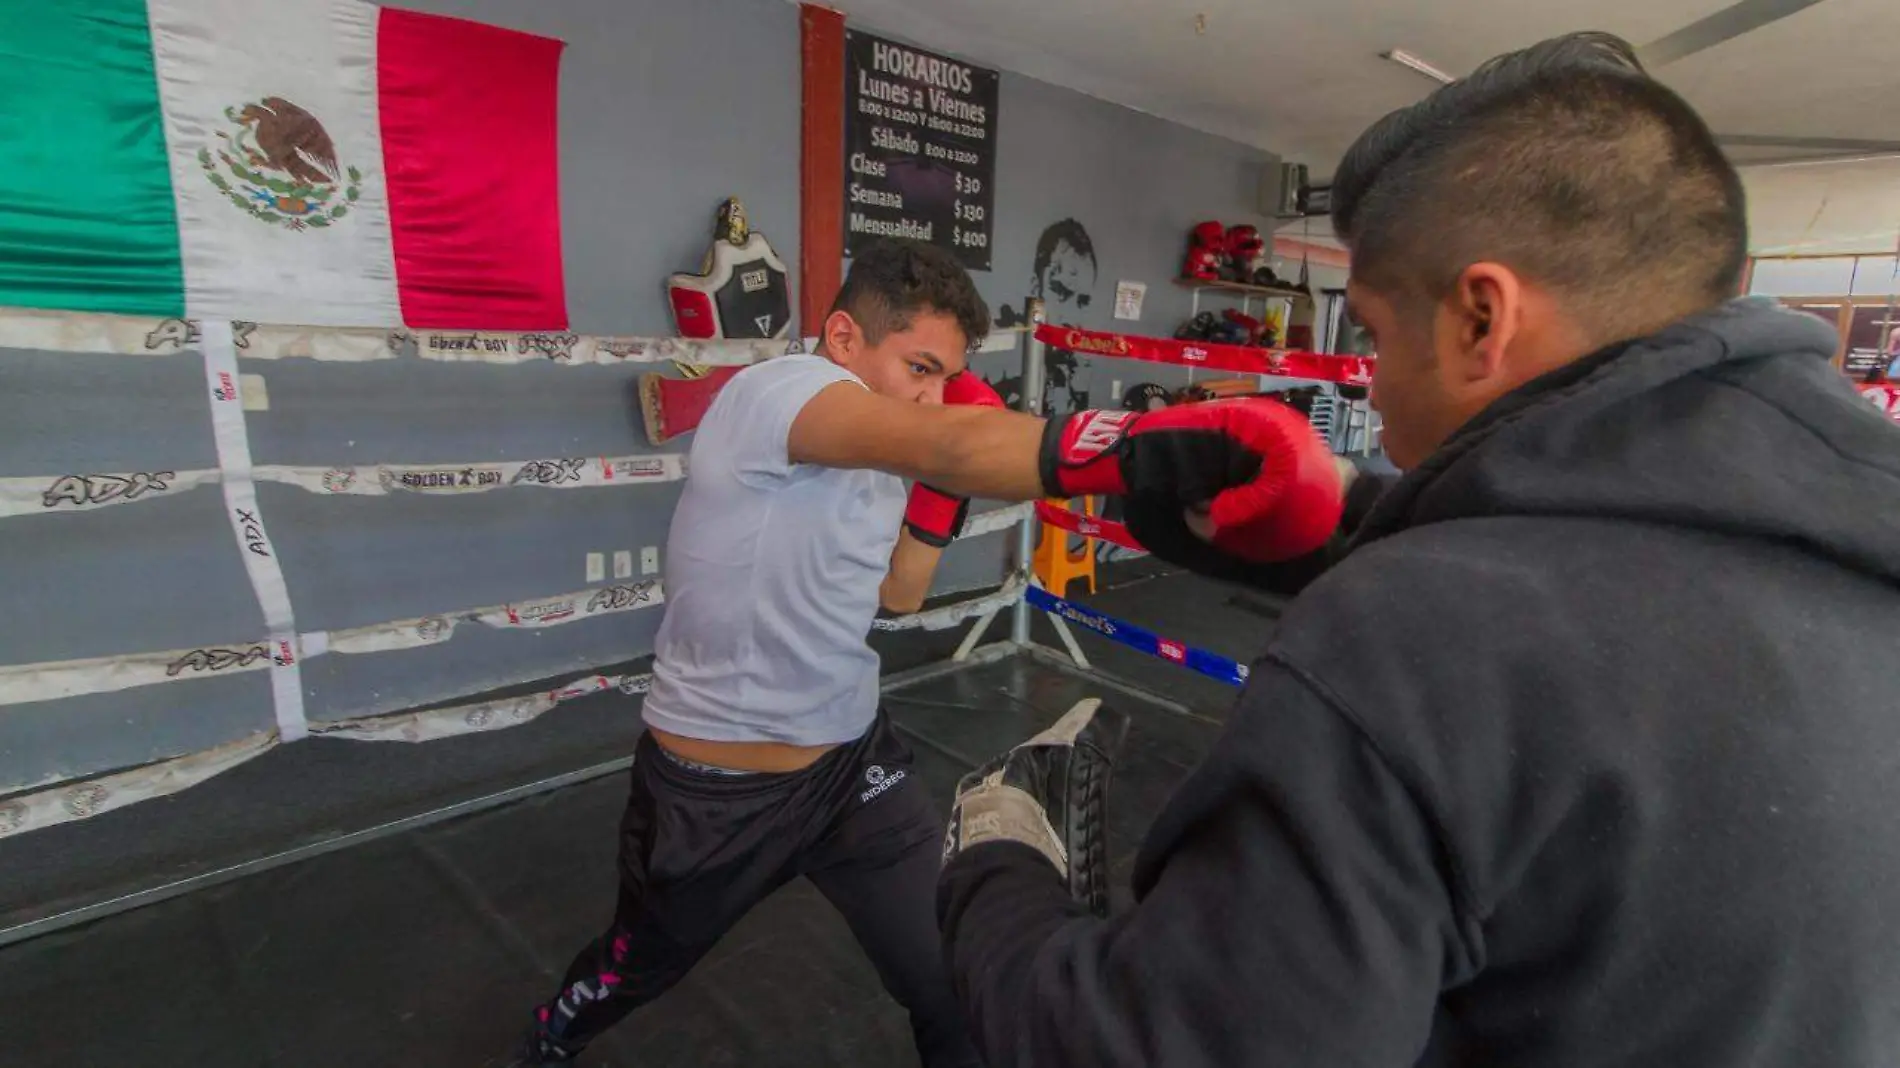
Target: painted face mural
(1063,277)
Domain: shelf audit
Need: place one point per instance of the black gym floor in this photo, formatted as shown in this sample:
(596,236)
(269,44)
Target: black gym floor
(425,948)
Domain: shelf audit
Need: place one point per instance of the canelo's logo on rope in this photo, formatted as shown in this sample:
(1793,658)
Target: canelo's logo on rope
(1079,341)
(278,165)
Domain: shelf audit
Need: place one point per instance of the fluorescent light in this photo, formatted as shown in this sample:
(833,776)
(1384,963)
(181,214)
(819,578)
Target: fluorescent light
(1407,59)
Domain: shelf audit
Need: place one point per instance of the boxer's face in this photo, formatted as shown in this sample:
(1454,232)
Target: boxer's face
(910,364)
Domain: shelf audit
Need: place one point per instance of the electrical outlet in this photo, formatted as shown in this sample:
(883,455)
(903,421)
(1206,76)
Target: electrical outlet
(623,563)
(1115,391)
(596,567)
(650,560)
(252,392)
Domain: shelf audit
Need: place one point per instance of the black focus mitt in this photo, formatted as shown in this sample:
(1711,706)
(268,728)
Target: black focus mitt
(1049,793)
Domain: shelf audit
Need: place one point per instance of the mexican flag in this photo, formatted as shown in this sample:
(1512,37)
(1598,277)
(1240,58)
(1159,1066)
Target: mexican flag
(320,162)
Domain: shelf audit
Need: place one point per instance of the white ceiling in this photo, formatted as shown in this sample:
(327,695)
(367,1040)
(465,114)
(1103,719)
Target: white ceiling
(1303,77)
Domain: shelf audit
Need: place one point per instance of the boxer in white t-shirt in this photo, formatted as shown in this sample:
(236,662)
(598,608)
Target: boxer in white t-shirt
(766,756)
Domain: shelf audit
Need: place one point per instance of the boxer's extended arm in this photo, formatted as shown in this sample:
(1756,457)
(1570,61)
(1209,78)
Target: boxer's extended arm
(968,450)
(913,564)
(1291,908)
(1269,484)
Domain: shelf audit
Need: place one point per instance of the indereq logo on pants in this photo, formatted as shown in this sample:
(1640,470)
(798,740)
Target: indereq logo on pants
(880,781)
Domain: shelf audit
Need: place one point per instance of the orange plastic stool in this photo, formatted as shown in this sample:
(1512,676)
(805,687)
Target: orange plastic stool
(1055,563)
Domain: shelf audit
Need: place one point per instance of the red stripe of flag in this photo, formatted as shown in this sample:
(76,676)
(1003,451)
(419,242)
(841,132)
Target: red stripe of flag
(469,118)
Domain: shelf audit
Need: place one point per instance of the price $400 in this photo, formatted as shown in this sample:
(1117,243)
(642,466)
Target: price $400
(970,238)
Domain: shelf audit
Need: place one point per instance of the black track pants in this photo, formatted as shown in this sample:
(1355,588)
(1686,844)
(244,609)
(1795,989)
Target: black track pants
(698,849)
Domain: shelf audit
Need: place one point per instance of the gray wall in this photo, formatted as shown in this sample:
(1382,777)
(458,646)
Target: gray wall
(1136,184)
(650,142)
(651,139)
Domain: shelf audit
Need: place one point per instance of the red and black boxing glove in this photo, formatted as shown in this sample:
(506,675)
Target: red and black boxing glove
(933,516)
(1264,477)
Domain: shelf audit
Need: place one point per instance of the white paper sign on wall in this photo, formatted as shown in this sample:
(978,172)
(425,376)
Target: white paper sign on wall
(1128,297)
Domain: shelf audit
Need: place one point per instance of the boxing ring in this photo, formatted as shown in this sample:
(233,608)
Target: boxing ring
(282,651)
(513,878)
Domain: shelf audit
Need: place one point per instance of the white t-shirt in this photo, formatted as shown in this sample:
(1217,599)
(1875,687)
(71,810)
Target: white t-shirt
(772,575)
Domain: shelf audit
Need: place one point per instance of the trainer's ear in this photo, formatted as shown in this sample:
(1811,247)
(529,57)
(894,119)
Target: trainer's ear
(1479,321)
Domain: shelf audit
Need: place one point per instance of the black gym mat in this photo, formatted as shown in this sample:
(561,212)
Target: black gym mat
(426,948)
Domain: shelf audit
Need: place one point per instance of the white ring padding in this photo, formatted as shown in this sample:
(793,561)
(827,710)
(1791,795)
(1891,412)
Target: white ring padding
(52,680)
(45,495)
(64,803)
(996,519)
(128,335)
(77,801)
(952,614)
(52,494)
(232,438)
(478,716)
(540,612)
(563,472)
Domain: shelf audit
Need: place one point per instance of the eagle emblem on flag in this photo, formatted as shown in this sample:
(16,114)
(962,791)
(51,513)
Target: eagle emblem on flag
(277,164)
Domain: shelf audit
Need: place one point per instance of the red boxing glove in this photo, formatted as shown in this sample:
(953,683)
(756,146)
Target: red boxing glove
(1268,481)
(933,516)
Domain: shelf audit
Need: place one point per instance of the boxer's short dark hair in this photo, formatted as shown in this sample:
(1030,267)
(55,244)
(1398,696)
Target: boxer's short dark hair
(893,279)
(1565,161)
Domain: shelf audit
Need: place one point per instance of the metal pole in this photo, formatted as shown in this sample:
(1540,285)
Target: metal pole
(1032,403)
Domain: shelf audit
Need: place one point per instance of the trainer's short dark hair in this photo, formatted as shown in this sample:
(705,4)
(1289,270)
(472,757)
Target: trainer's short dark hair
(893,279)
(1568,163)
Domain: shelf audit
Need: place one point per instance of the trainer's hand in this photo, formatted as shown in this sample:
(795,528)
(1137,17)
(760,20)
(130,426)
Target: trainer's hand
(1050,794)
(933,516)
(1268,484)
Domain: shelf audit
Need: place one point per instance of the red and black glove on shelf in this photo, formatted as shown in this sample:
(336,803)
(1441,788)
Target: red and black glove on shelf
(1264,477)
(933,516)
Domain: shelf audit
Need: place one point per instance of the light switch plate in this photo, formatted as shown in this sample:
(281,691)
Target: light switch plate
(650,560)
(596,567)
(623,563)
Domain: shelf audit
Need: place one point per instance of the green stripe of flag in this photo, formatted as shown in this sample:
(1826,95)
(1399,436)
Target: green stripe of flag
(87,218)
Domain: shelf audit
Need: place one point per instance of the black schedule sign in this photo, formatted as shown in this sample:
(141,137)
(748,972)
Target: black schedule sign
(920,148)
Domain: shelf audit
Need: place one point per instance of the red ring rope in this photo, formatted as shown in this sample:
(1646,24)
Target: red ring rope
(1283,363)
(1087,525)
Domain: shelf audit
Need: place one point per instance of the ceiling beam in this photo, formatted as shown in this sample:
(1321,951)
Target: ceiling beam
(1731,22)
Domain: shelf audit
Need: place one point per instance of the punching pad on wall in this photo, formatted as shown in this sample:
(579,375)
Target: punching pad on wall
(743,289)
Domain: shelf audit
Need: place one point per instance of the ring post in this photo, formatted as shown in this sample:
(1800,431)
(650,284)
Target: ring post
(1032,403)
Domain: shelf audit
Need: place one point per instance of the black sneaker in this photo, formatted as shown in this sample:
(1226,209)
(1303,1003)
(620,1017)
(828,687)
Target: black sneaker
(529,1055)
(536,1051)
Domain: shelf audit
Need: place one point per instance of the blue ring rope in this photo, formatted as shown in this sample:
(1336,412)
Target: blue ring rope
(1140,639)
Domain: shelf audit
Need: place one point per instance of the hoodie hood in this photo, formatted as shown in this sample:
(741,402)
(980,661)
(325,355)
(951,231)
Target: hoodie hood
(1732,421)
